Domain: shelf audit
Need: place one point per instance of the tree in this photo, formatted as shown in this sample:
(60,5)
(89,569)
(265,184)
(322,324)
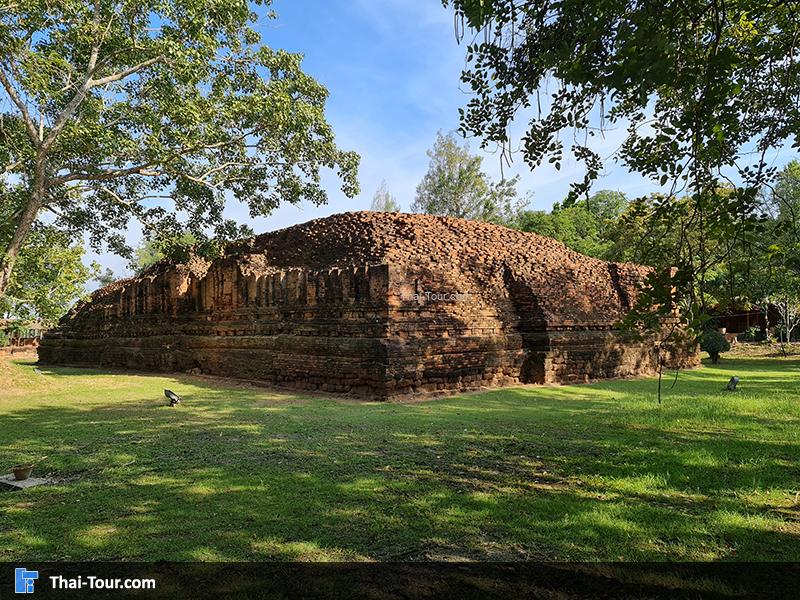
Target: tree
(606,206)
(456,186)
(575,226)
(50,276)
(764,272)
(383,201)
(149,110)
(783,204)
(584,226)
(647,232)
(788,304)
(658,231)
(784,197)
(15,331)
(704,89)
(145,255)
(150,252)
(105,277)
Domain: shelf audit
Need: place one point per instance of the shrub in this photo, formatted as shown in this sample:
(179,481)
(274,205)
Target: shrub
(714,343)
(4,340)
(751,334)
(711,324)
(773,334)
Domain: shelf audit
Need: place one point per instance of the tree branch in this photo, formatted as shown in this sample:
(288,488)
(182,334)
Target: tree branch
(69,110)
(26,117)
(146,169)
(127,72)
(11,166)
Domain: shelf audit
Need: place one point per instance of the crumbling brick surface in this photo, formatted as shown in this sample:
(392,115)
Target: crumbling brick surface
(373,304)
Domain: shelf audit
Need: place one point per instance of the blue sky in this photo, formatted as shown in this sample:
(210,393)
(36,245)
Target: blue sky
(392,69)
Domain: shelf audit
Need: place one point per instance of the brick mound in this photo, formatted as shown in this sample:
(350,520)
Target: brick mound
(470,256)
(375,304)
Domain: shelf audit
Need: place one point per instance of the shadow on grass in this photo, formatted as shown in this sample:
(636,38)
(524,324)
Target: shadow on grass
(586,472)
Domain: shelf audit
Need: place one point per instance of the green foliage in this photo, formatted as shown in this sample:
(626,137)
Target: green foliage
(719,267)
(12,204)
(714,343)
(648,231)
(16,329)
(697,86)
(50,276)
(574,226)
(145,255)
(751,334)
(151,252)
(456,186)
(155,111)
(783,203)
(787,302)
(691,72)
(741,270)
(4,339)
(606,206)
(784,199)
(105,277)
(383,201)
(584,226)
(782,335)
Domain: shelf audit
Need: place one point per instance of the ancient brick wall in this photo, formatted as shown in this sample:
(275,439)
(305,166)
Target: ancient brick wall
(321,329)
(374,304)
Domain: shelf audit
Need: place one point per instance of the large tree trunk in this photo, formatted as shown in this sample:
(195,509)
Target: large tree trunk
(26,220)
(12,251)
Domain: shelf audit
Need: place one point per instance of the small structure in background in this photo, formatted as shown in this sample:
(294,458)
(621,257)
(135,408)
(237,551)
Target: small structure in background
(22,334)
(745,325)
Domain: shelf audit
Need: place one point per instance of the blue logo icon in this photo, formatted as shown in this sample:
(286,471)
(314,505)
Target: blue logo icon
(23,580)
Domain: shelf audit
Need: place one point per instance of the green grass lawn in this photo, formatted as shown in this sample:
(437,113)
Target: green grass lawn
(591,472)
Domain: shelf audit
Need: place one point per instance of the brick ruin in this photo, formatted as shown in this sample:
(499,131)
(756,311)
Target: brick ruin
(373,304)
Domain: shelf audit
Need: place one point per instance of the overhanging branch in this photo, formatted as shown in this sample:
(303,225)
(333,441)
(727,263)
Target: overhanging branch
(30,127)
(125,73)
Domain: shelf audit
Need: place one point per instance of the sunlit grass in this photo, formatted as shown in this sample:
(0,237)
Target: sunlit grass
(236,472)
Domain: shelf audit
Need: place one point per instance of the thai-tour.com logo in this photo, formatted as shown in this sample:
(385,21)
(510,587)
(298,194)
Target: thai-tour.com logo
(436,297)
(24,579)
(24,582)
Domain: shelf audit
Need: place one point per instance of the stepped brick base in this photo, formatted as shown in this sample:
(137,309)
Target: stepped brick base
(372,304)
